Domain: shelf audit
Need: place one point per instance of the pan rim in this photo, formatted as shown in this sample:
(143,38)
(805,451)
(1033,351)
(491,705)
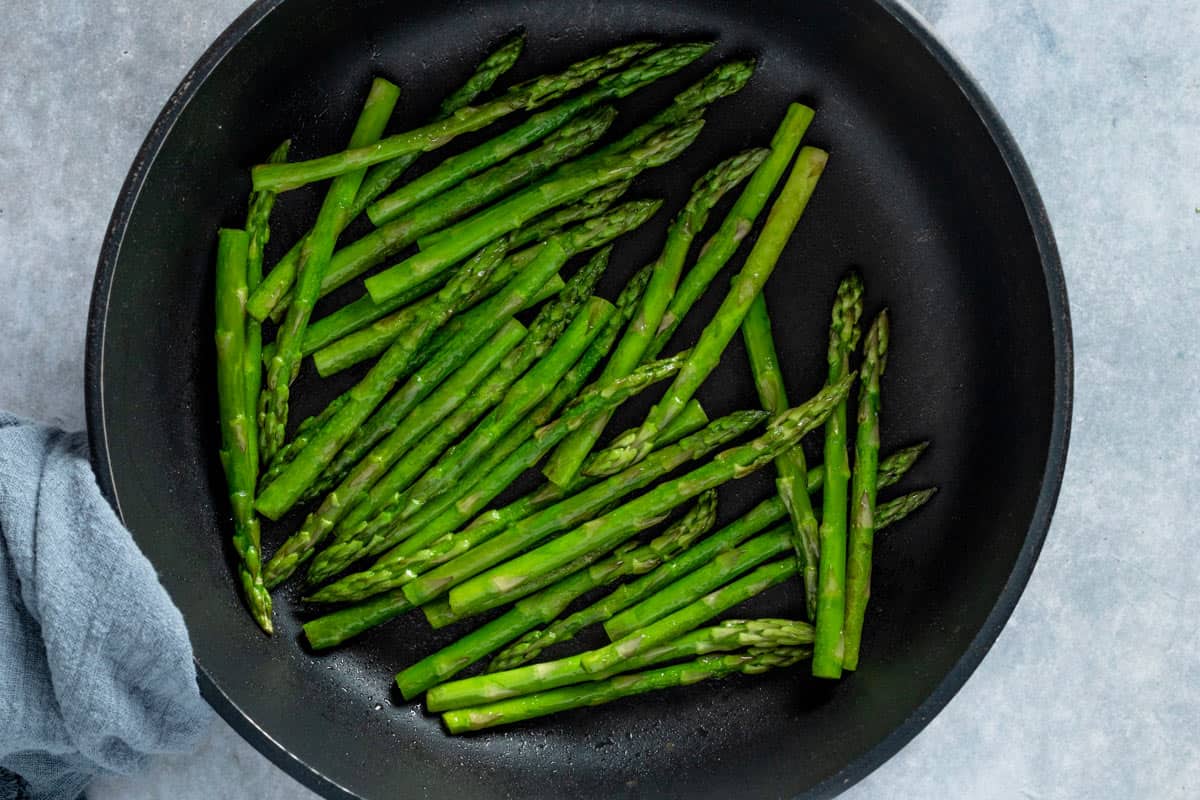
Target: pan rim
(1035,535)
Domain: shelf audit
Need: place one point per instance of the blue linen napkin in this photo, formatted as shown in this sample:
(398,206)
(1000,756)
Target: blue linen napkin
(96,668)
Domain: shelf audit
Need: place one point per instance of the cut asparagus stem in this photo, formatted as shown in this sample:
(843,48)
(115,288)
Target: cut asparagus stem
(604,533)
(236,456)
(258,231)
(790,466)
(277,498)
(724,636)
(520,208)
(831,598)
(388,239)
(749,662)
(522,97)
(419,553)
(864,486)
(579,507)
(548,603)
(313,259)
(746,285)
(564,465)
(591,233)
(646,70)
(266,301)
(737,224)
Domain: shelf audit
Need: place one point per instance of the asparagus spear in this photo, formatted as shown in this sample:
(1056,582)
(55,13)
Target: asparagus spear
(493,480)
(453,464)
(831,599)
(646,70)
(625,596)
(736,225)
(548,603)
(747,284)
(516,210)
(236,455)
(750,662)
(333,629)
(420,552)
(400,231)
(500,61)
(304,432)
(608,531)
(790,466)
(266,301)
(591,233)
(258,232)
(313,259)
(505,462)
(522,97)
(579,507)
(863,488)
(728,635)
(544,330)
(277,498)
(564,465)
(427,414)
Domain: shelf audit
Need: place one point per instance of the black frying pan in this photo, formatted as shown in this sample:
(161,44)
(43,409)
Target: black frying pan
(926,192)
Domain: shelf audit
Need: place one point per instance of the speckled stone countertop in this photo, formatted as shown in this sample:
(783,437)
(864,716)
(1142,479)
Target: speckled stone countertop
(1093,689)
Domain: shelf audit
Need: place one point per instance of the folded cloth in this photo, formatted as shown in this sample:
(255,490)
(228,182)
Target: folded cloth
(96,668)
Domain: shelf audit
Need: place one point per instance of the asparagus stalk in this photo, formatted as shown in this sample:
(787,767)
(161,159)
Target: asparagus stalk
(236,455)
(399,231)
(750,662)
(747,284)
(258,231)
(547,604)
(419,553)
(522,97)
(831,599)
(627,595)
(790,466)
(863,489)
(564,465)
(646,70)
(424,417)
(728,635)
(516,210)
(590,234)
(580,507)
(736,225)
(313,259)
(505,462)
(266,300)
(544,330)
(610,530)
(277,498)
(454,463)
(333,629)
(494,480)
(381,176)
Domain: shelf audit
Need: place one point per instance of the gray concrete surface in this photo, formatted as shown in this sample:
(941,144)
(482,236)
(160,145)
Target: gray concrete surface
(1093,689)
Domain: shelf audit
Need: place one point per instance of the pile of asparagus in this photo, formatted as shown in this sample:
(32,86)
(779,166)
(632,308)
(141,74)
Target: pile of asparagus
(464,393)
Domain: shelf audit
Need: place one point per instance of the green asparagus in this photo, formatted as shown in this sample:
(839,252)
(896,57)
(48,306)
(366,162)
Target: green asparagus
(522,97)
(311,265)
(236,454)
(564,465)
(863,488)
(831,598)
(548,603)
(516,210)
(746,285)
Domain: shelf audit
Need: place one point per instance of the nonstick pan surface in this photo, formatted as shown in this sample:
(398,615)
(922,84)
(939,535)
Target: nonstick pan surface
(925,193)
